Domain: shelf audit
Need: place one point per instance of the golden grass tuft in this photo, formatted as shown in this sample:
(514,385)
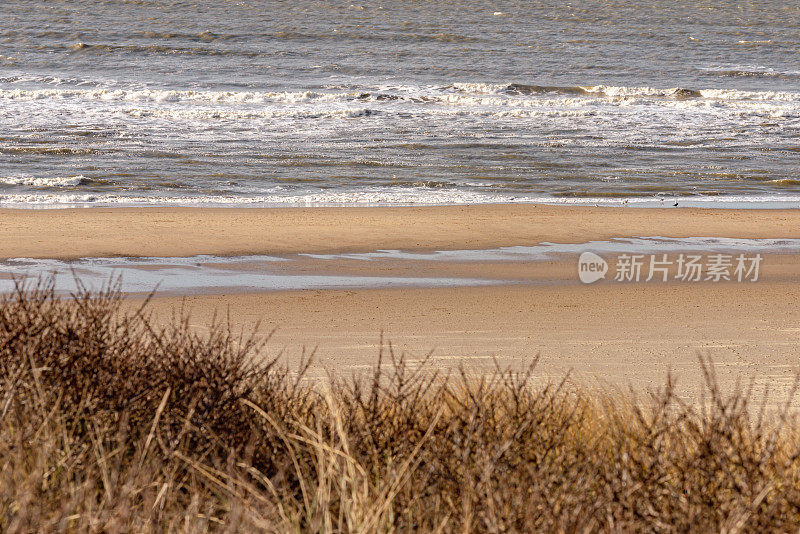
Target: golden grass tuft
(109,423)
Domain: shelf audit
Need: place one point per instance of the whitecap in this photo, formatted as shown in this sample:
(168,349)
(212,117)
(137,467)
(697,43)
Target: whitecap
(34,181)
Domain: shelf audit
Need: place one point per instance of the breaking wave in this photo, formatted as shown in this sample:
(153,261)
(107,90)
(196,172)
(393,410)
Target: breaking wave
(419,95)
(751,72)
(59,181)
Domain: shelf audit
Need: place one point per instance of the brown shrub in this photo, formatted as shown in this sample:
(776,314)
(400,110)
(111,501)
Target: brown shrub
(109,423)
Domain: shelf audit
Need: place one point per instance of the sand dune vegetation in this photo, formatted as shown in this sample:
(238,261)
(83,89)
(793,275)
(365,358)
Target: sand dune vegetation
(112,423)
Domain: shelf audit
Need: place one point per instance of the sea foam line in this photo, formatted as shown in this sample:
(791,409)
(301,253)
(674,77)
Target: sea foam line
(58,181)
(390,94)
(394,196)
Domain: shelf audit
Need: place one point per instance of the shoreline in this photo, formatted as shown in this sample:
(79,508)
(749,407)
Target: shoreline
(168,232)
(713,202)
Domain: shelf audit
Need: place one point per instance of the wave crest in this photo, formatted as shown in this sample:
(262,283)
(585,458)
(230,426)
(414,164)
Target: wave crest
(32,181)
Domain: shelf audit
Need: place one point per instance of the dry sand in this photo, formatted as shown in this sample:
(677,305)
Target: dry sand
(612,334)
(617,334)
(70,233)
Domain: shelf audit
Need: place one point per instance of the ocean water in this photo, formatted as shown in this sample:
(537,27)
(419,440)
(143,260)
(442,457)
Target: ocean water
(312,102)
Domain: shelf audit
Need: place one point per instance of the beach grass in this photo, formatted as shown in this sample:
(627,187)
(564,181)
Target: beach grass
(112,422)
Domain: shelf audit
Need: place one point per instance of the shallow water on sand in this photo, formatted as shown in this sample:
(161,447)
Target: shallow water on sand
(378,269)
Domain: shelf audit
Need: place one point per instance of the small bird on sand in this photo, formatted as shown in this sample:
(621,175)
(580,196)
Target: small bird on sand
(676,204)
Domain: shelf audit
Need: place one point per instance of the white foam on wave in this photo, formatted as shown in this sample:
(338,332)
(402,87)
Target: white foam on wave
(453,94)
(481,88)
(750,71)
(387,195)
(23,78)
(735,94)
(205,113)
(33,181)
(621,110)
(621,91)
(723,95)
(612,91)
(503,102)
(157,95)
(393,196)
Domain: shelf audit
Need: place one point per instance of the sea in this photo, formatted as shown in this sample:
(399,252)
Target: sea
(312,103)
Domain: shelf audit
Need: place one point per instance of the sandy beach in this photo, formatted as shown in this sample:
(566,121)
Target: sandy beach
(613,333)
